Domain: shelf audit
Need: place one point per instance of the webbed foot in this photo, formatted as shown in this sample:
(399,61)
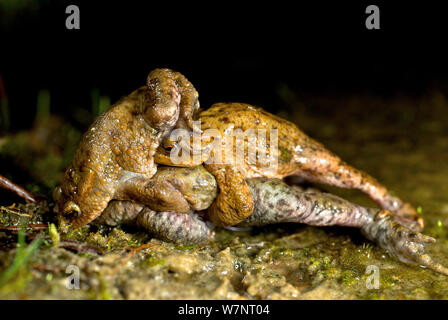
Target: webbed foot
(405,244)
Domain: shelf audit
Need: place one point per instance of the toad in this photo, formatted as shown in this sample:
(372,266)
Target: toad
(293,152)
(115,158)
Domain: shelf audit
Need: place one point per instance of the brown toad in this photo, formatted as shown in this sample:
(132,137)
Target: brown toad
(294,152)
(115,158)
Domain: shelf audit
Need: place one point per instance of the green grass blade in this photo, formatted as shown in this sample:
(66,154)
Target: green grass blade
(21,258)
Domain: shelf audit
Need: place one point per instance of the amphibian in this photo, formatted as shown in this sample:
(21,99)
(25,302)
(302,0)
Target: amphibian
(114,175)
(296,153)
(115,158)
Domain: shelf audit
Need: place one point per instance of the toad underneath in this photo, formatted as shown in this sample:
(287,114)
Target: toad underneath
(274,202)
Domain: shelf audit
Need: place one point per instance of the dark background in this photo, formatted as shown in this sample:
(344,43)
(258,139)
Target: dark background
(231,51)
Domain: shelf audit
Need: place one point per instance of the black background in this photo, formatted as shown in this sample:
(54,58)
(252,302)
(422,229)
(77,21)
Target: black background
(231,51)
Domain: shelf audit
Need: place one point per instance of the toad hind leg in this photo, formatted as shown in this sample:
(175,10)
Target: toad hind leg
(168,226)
(175,227)
(316,164)
(119,212)
(276,202)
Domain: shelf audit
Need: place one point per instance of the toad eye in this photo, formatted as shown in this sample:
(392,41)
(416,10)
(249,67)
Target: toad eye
(169,147)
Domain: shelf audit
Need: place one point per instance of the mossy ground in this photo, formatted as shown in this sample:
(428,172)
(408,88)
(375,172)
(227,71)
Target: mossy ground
(401,141)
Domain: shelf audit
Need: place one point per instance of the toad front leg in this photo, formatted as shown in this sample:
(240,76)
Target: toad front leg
(166,204)
(234,201)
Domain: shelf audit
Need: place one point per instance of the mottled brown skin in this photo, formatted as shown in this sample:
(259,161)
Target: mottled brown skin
(115,158)
(163,85)
(297,154)
(181,190)
(274,202)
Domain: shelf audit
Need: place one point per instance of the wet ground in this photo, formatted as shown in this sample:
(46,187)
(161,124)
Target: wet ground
(400,140)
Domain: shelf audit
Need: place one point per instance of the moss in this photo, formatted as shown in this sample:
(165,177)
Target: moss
(116,238)
(186,247)
(438,230)
(54,234)
(101,292)
(372,296)
(279,253)
(349,278)
(331,273)
(153,260)
(389,280)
